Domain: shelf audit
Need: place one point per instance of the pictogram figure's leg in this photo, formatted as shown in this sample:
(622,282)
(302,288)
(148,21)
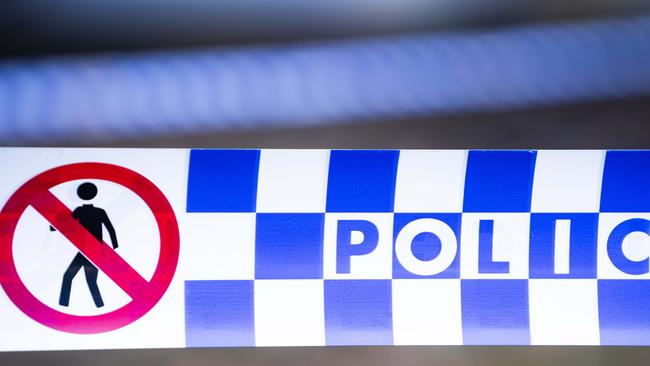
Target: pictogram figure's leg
(91,279)
(73,268)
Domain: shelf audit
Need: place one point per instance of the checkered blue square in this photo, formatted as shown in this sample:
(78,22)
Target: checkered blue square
(289,246)
(222,181)
(361,181)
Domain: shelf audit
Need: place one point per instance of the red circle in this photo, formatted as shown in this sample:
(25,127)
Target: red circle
(162,277)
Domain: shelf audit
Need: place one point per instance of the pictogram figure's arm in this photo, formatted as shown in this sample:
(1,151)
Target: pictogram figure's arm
(111,229)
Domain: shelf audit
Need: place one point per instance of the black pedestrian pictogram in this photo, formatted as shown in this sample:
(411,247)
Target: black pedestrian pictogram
(92,218)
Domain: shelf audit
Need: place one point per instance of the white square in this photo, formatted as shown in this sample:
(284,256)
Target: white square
(567,181)
(564,312)
(289,313)
(292,180)
(430,181)
(218,246)
(427,312)
(375,265)
(636,245)
(510,243)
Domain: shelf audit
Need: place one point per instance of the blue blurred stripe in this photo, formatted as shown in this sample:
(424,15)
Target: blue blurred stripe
(151,94)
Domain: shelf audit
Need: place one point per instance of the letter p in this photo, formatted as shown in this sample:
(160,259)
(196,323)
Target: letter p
(348,233)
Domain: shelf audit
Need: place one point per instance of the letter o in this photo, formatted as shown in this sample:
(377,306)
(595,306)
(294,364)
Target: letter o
(410,262)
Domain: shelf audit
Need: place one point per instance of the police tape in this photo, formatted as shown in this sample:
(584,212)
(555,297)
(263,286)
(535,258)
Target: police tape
(105,97)
(219,248)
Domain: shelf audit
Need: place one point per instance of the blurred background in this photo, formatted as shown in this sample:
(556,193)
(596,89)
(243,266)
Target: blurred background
(336,73)
(327,74)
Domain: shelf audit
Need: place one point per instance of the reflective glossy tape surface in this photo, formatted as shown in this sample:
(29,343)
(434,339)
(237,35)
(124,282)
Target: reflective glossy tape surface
(139,248)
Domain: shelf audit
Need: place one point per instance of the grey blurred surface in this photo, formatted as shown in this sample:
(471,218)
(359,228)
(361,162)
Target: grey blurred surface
(613,124)
(38,27)
(342,356)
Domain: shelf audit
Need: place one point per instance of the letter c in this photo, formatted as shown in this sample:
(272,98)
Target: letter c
(615,246)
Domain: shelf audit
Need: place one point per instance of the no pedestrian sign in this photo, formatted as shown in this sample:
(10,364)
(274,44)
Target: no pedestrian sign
(168,248)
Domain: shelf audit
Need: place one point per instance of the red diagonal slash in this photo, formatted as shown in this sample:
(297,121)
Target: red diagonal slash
(116,268)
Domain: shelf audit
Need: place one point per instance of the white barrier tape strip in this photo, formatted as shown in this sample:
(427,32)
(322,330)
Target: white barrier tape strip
(317,247)
(113,96)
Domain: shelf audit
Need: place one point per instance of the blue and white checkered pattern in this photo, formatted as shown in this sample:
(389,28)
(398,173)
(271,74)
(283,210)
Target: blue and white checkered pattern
(272,220)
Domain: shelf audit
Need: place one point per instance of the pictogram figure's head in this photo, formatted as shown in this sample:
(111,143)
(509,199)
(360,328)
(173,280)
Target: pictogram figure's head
(87,191)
